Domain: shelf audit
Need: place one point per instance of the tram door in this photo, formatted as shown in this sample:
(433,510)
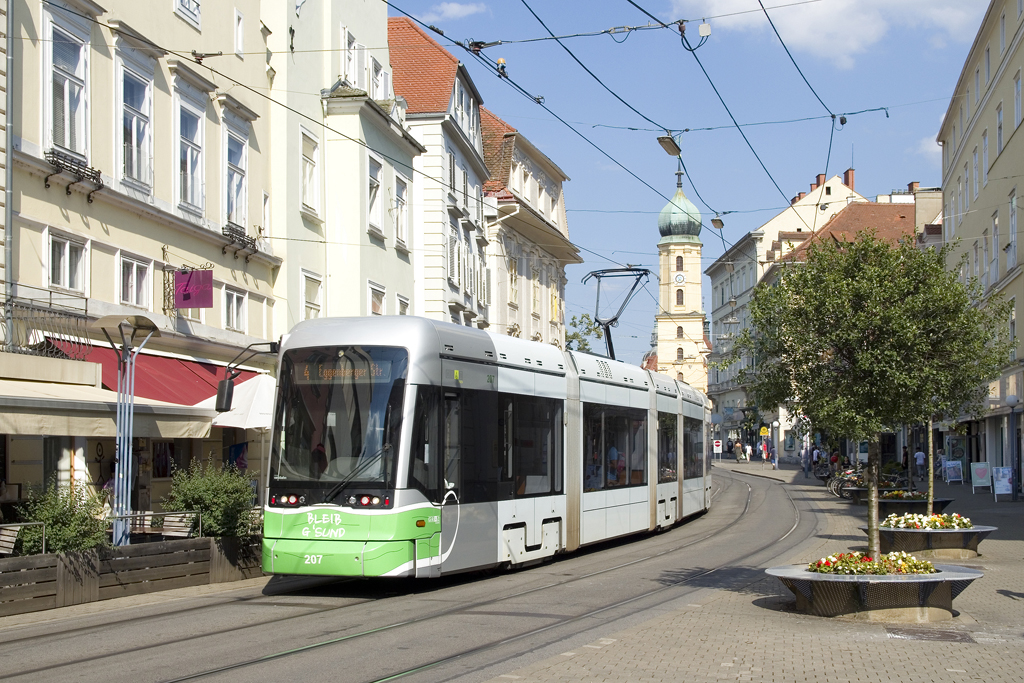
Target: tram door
(451,471)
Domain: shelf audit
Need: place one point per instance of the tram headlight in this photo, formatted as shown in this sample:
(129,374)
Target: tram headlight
(376,500)
(365,500)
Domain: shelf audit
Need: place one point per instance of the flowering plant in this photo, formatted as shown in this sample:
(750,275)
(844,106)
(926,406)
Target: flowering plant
(904,495)
(859,563)
(909,521)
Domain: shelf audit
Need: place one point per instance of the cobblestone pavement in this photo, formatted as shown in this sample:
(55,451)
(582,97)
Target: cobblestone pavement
(754,634)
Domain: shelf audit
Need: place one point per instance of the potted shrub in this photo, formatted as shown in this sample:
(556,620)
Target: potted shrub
(933,536)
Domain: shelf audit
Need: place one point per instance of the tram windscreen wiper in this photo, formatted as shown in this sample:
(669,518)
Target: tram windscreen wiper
(340,486)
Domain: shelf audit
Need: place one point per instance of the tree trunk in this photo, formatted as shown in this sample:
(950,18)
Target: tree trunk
(931,470)
(874,465)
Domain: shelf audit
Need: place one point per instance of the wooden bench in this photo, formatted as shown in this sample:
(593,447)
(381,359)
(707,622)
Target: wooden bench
(174,524)
(8,537)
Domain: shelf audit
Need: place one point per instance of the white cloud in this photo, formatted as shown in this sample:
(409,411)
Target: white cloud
(839,30)
(930,149)
(453,10)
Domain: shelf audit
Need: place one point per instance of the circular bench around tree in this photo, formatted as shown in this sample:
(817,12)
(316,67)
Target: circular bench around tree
(944,544)
(901,598)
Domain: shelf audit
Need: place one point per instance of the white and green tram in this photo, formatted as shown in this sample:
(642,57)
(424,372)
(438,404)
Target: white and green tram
(409,447)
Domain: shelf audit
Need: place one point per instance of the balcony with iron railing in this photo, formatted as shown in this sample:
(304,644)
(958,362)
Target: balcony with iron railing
(47,323)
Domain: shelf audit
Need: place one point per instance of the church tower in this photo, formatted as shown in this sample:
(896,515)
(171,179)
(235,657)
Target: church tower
(682,351)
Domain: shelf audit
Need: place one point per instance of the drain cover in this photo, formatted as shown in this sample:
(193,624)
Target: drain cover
(929,634)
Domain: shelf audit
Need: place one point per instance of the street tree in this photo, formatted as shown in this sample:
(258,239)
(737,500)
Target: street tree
(581,329)
(866,335)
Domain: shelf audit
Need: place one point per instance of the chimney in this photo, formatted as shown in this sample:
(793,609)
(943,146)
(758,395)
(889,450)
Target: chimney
(801,196)
(821,180)
(913,187)
(814,186)
(848,178)
(794,200)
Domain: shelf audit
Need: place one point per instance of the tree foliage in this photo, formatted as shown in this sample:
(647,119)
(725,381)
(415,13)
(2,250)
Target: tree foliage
(73,517)
(222,494)
(581,329)
(867,335)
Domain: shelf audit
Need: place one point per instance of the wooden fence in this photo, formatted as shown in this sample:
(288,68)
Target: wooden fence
(40,582)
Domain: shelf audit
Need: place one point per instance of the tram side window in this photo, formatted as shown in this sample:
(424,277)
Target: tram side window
(536,445)
(480,447)
(615,452)
(424,457)
(667,463)
(452,468)
(693,448)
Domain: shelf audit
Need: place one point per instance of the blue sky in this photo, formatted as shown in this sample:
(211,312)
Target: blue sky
(904,55)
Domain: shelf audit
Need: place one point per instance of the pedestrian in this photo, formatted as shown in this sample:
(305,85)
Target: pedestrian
(748,451)
(919,463)
(805,460)
(737,450)
(774,456)
(728,445)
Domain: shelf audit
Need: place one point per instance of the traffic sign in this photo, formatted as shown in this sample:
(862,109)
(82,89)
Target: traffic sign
(764,431)
(718,445)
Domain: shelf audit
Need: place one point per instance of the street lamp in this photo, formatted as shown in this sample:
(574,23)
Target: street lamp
(668,143)
(775,442)
(1012,401)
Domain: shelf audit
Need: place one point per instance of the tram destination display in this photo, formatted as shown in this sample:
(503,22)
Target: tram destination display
(351,370)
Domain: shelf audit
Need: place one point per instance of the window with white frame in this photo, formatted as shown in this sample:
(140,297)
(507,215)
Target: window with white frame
(312,288)
(1016,100)
(239,34)
(310,178)
(977,84)
(349,57)
(403,304)
(464,200)
(373,213)
(235,177)
(960,198)
(234,310)
(513,280)
(513,177)
(68,91)
(376,298)
(401,210)
(190,156)
(984,158)
(134,282)
(376,80)
(1002,33)
(988,66)
(977,261)
(67,263)
(451,171)
(975,164)
(994,266)
(985,263)
(454,252)
(999,129)
(189,11)
(962,129)
(535,288)
(967,189)
(265,223)
(1011,251)
(135,129)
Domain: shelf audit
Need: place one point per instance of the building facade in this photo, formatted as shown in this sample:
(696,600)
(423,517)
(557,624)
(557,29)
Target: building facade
(444,115)
(528,243)
(132,164)
(982,167)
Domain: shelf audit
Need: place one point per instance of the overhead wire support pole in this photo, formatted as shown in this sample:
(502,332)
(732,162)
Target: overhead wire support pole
(608,323)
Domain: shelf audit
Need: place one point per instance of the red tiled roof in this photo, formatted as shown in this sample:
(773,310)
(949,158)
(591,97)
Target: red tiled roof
(497,150)
(888,221)
(423,71)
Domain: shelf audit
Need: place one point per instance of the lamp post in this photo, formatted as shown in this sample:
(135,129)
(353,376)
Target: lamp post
(1012,401)
(775,444)
(127,328)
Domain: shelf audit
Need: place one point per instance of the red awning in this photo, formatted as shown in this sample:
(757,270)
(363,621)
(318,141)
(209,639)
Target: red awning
(160,378)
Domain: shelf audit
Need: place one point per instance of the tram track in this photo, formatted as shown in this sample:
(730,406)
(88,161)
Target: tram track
(306,614)
(520,636)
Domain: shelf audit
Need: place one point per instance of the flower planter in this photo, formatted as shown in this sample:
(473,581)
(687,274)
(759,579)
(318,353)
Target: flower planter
(899,598)
(915,507)
(945,544)
(859,494)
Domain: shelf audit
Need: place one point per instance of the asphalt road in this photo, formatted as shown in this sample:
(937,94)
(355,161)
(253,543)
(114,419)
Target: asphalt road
(467,628)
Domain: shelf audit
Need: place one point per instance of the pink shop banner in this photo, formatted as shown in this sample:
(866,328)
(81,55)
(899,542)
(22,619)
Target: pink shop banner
(193,289)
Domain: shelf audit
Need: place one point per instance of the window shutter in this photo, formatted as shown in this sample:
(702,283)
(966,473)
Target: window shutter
(344,53)
(487,287)
(461,261)
(452,262)
(385,85)
(360,76)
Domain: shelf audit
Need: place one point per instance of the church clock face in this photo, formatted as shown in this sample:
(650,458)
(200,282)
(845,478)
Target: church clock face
(680,279)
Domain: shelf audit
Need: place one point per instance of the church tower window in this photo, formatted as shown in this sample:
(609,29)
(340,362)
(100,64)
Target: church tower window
(679,333)
(679,297)
(679,262)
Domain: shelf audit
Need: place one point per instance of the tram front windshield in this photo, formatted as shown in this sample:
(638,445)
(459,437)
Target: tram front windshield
(339,416)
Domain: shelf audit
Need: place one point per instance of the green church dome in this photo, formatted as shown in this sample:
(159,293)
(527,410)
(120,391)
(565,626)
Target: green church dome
(679,218)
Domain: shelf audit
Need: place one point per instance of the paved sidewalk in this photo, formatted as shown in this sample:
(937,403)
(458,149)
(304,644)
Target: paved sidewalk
(754,634)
